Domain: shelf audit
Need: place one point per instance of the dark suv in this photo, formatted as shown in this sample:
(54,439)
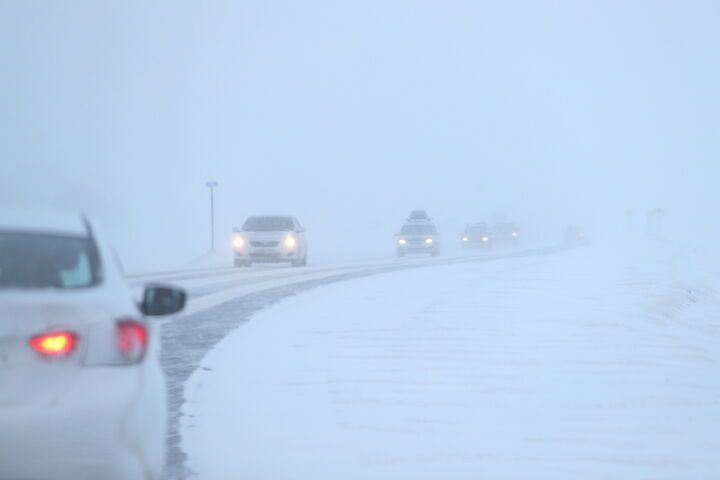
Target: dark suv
(418,237)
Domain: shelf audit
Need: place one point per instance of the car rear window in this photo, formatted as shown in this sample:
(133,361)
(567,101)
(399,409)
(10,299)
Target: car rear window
(268,224)
(33,261)
(418,230)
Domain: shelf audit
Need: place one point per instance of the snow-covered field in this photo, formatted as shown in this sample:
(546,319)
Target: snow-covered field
(589,364)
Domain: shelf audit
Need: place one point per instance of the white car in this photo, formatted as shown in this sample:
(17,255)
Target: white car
(270,239)
(82,395)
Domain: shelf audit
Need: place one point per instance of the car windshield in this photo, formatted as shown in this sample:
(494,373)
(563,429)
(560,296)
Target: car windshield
(418,230)
(34,261)
(268,224)
(477,229)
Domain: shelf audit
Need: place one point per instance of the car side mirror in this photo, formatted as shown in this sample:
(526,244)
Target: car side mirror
(302,230)
(159,300)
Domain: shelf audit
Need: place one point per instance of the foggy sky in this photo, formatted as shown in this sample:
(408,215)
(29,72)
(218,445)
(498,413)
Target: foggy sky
(350,115)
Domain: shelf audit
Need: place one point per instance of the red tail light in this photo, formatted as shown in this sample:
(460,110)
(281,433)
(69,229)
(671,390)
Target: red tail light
(54,344)
(132,340)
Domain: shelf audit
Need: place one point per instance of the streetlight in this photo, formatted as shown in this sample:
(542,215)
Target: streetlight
(212,185)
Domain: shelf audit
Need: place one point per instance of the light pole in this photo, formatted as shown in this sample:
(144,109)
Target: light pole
(212,185)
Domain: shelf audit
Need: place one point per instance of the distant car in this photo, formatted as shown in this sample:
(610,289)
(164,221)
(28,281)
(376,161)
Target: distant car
(574,235)
(477,235)
(270,239)
(82,394)
(418,237)
(506,233)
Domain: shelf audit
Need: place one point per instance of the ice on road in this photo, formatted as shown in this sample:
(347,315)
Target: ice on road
(587,364)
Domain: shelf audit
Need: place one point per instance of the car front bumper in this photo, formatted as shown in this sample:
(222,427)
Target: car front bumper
(477,244)
(420,248)
(268,255)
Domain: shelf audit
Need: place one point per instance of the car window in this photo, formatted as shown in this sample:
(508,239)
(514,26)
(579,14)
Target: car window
(477,229)
(418,230)
(31,261)
(268,224)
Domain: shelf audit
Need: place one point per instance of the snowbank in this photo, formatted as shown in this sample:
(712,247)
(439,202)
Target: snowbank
(588,364)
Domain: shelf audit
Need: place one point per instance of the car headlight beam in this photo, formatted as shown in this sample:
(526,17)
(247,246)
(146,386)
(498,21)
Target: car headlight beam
(238,242)
(290,241)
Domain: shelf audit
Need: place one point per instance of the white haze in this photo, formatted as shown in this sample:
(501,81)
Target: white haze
(348,116)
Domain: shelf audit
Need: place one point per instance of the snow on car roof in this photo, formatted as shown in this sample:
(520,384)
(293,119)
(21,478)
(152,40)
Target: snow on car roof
(42,221)
(416,221)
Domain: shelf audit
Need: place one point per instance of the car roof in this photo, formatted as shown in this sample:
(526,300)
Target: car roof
(271,216)
(43,221)
(418,221)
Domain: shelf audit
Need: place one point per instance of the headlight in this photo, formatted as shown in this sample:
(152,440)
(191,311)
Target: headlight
(402,241)
(485,239)
(466,239)
(428,241)
(514,234)
(238,242)
(290,241)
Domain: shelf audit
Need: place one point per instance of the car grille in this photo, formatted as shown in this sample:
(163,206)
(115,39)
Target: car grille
(264,244)
(264,255)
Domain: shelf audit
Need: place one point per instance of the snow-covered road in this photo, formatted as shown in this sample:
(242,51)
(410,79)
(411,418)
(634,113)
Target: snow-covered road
(221,299)
(583,364)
